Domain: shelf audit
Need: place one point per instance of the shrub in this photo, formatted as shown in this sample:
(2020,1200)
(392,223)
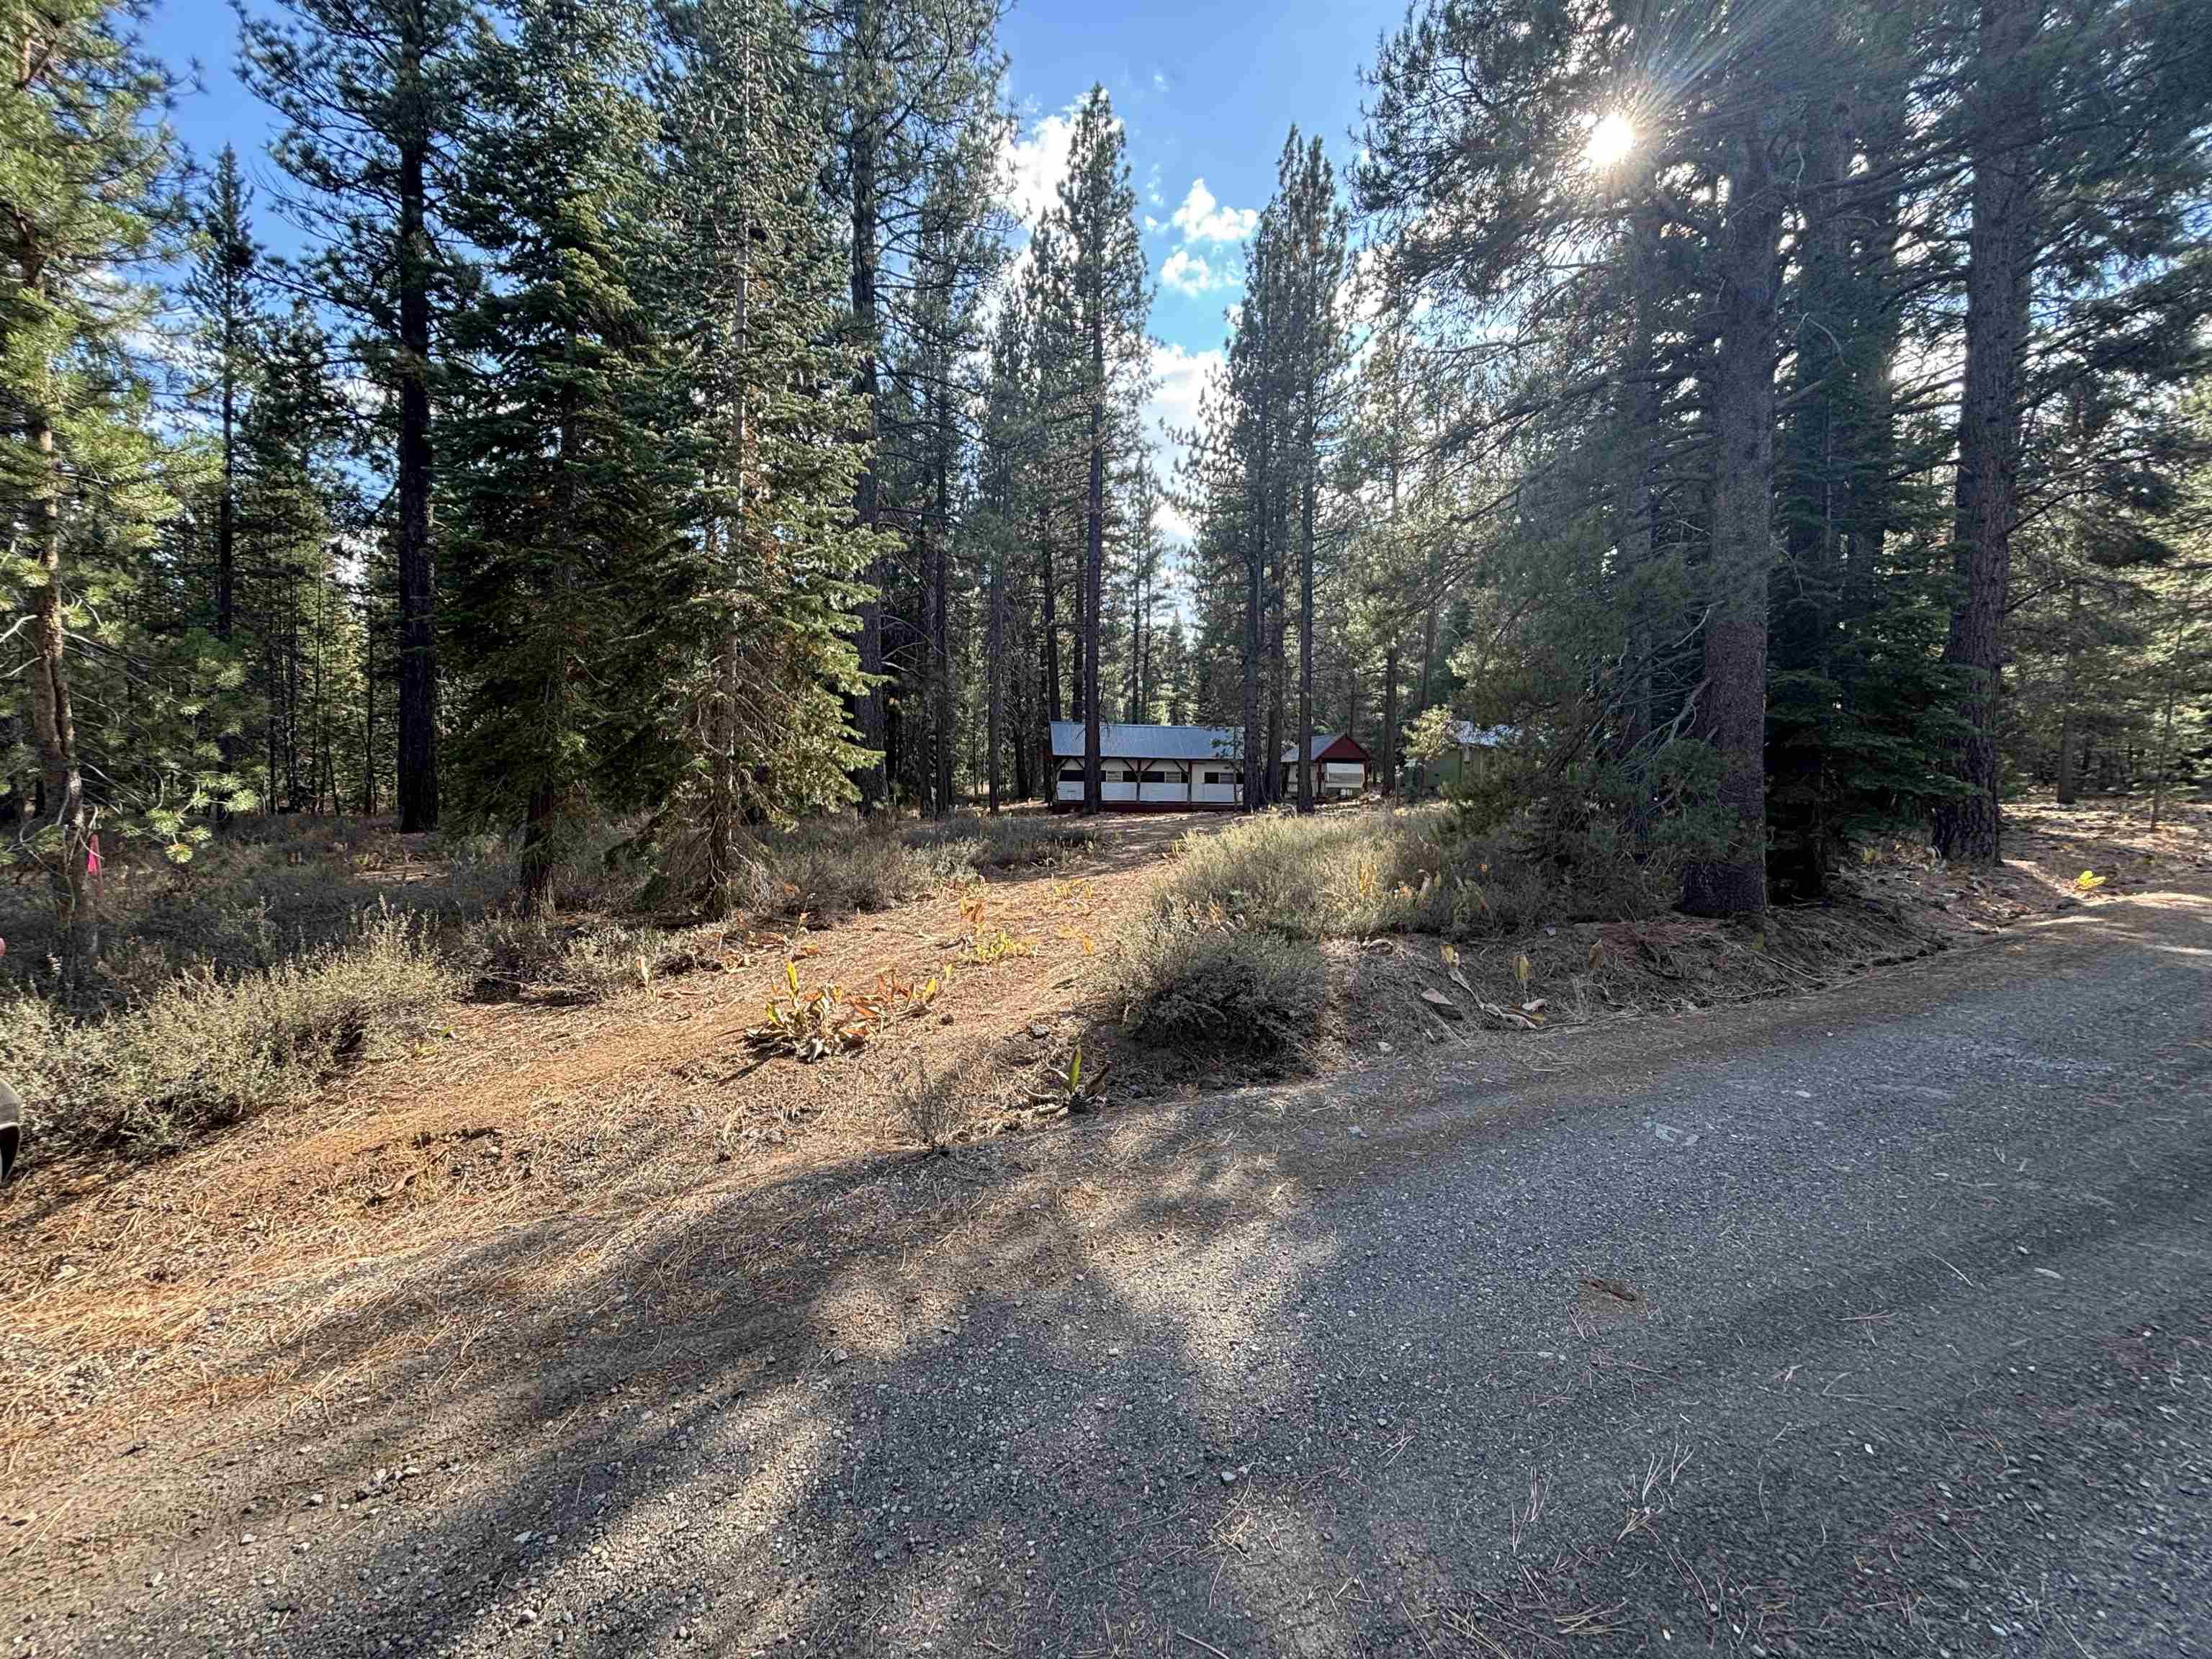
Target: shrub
(1185,977)
(587,960)
(831,865)
(203,1050)
(1430,869)
(259,893)
(961,846)
(929,1108)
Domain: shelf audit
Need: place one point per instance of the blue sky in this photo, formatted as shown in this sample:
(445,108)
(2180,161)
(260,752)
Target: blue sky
(1206,90)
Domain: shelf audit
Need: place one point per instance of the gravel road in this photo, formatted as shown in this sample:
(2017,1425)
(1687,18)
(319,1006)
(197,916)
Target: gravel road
(1875,1321)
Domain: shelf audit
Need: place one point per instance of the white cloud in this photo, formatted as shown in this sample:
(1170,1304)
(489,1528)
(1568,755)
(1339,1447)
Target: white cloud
(1179,377)
(1189,274)
(1152,186)
(1035,161)
(1152,226)
(1159,81)
(1202,219)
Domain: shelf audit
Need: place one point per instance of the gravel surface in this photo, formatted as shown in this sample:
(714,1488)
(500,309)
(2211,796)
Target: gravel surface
(1877,1321)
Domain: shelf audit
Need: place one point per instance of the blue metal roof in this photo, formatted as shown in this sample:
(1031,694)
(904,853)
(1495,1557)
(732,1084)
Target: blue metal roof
(1120,740)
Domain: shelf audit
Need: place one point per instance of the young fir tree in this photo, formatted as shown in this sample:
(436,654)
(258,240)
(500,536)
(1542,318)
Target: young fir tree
(369,92)
(766,578)
(87,188)
(1097,222)
(560,477)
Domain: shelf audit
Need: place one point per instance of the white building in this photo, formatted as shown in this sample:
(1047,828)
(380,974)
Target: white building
(1152,768)
(1186,768)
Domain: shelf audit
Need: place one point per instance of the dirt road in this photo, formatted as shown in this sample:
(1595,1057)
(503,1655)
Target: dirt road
(1876,1321)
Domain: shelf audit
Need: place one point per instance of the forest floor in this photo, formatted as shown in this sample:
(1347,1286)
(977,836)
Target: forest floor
(290,1263)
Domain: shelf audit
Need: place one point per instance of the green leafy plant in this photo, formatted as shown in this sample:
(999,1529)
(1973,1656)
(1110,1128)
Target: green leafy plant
(1071,1090)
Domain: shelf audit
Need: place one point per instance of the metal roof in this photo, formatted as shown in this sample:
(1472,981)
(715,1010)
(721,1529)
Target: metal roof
(1469,735)
(1322,741)
(1120,740)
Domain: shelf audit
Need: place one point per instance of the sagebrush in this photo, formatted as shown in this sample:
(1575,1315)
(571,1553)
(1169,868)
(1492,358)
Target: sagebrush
(203,1050)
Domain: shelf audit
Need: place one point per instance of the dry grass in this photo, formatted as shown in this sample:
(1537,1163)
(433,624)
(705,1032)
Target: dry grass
(1197,979)
(929,1107)
(1356,873)
(200,1050)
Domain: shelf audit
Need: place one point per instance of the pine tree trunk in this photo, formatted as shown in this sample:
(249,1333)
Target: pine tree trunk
(1020,735)
(2001,250)
(1136,648)
(1631,527)
(1390,745)
(225,517)
(994,667)
(1278,675)
(54,726)
(1734,882)
(1051,619)
(1094,511)
(368,715)
(273,728)
(2066,695)
(1254,773)
(940,622)
(418,634)
(1308,463)
(873,780)
(1248,762)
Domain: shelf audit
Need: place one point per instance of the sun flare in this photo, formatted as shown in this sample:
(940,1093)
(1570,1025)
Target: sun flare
(1610,141)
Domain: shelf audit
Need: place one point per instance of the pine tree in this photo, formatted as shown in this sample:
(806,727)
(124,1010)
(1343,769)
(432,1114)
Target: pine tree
(219,290)
(1313,235)
(2082,134)
(293,504)
(563,515)
(1145,575)
(87,187)
(1098,220)
(758,391)
(371,98)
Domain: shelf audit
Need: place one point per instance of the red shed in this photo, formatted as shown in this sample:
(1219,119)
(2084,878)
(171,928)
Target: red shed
(1340,765)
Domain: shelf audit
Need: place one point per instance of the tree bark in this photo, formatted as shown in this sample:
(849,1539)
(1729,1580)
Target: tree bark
(1734,881)
(1094,537)
(2001,247)
(1390,744)
(418,628)
(2066,695)
(54,726)
(868,490)
(1309,463)
(941,644)
(994,652)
